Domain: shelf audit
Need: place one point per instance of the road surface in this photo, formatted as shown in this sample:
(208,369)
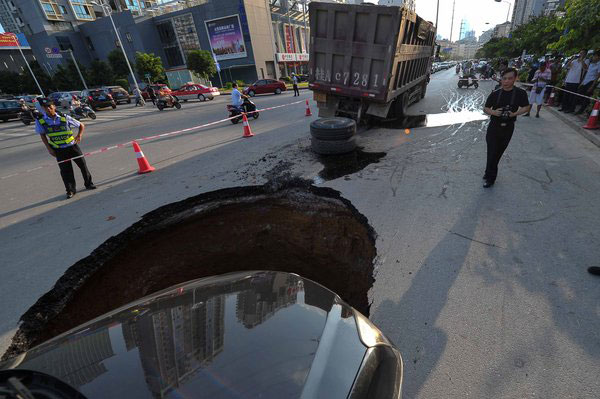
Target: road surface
(484,291)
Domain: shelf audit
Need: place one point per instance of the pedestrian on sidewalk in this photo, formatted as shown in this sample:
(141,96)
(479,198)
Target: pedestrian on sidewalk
(56,131)
(295,82)
(504,105)
(589,83)
(576,69)
(152,95)
(540,79)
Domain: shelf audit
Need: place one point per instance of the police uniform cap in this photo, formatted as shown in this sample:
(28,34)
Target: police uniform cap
(44,101)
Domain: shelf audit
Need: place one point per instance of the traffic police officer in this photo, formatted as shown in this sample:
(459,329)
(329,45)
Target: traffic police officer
(56,132)
(504,105)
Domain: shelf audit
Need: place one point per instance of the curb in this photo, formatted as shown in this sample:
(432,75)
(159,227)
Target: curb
(576,125)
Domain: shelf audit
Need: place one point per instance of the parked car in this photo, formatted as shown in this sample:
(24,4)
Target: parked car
(98,98)
(192,91)
(157,87)
(265,86)
(62,98)
(247,334)
(119,94)
(9,109)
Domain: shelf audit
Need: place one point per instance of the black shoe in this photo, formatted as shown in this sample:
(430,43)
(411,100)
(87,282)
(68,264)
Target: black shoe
(595,270)
(91,187)
(537,115)
(527,114)
(70,194)
(488,184)
(569,111)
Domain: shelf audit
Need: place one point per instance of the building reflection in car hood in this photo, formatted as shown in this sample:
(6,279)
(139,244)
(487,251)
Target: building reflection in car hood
(241,335)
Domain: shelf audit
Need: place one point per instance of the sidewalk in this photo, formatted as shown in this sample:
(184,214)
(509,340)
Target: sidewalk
(576,122)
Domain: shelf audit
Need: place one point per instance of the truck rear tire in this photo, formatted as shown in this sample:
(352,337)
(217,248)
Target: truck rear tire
(332,129)
(333,147)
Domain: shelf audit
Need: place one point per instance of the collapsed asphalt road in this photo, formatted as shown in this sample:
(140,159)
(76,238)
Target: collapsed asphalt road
(484,291)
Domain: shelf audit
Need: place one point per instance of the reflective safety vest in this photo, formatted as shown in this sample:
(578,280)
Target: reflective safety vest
(58,135)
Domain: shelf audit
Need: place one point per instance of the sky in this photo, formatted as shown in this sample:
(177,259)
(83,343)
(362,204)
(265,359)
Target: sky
(477,12)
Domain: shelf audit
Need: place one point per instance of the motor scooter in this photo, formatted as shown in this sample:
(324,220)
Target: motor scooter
(83,111)
(467,81)
(29,115)
(248,107)
(167,102)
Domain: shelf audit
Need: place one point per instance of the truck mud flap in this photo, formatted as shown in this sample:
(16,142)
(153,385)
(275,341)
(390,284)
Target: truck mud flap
(379,110)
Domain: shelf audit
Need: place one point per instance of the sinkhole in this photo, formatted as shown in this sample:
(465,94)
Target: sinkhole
(289,226)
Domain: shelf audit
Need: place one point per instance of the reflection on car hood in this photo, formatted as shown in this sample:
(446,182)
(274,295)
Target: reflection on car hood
(252,334)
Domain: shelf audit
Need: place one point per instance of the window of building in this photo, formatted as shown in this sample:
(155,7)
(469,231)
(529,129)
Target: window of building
(48,8)
(11,57)
(89,43)
(6,65)
(129,37)
(185,29)
(64,43)
(63,10)
(81,12)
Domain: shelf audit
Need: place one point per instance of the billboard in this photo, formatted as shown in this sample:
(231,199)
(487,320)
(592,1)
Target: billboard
(8,40)
(225,38)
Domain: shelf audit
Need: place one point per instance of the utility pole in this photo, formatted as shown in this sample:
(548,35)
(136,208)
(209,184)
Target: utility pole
(27,63)
(452,23)
(78,70)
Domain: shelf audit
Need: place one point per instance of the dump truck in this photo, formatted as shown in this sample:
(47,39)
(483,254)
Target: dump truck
(367,60)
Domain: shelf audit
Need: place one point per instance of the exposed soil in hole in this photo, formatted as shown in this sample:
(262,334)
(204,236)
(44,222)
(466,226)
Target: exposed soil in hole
(345,164)
(290,226)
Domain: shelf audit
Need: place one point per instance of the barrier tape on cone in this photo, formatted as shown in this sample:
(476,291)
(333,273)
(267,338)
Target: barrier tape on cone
(156,136)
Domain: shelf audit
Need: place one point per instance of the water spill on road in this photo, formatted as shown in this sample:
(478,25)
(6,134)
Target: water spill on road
(336,166)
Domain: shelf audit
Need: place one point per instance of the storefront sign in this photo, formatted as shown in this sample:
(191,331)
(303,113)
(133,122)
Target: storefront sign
(225,37)
(53,55)
(8,40)
(302,57)
(286,57)
(289,39)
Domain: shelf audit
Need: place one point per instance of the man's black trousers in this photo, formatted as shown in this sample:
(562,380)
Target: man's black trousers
(570,100)
(296,91)
(497,140)
(66,168)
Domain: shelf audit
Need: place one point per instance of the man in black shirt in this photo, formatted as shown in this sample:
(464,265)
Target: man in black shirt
(504,105)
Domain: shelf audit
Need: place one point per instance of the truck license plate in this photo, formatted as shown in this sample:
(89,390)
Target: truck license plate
(319,97)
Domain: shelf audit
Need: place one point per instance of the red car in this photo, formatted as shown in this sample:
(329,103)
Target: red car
(157,87)
(264,86)
(192,91)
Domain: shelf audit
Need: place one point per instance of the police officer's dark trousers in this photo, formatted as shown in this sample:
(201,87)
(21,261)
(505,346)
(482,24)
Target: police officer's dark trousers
(497,140)
(66,168)
(296,91)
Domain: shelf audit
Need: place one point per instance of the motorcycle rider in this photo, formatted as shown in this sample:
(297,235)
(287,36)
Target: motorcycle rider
(76,106)
(237,98)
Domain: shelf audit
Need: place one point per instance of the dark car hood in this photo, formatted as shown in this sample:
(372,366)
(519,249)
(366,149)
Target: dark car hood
(250,335)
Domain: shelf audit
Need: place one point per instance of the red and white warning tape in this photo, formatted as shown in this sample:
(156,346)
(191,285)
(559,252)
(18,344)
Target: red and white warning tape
(562,89)
(146,138)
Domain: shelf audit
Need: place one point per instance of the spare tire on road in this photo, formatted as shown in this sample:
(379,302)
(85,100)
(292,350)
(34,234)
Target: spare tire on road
(332,147)
(333,128)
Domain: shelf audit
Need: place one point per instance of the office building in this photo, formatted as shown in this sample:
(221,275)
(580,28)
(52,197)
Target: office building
(8,18)
(251,39)
(502,30)
(486,36)
(10,56)
(552,6)
(524,10)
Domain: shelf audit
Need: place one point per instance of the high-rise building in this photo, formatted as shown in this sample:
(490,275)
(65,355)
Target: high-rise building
(465,29)
(552,5)
(8,18)
(524,10)
(486,36)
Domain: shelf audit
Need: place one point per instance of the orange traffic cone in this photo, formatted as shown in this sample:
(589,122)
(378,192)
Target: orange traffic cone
(550,102)
(308,113)
(247,130)
(142,161)
(592,123)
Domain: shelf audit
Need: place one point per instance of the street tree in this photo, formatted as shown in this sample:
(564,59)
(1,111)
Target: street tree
(148,63)
(579,26)
(201,63)
(67,77)
(100,73)
(117,61)
(28,84)
(10,82)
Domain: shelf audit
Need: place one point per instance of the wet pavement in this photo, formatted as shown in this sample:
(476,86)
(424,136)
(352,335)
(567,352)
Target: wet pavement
(484,291)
